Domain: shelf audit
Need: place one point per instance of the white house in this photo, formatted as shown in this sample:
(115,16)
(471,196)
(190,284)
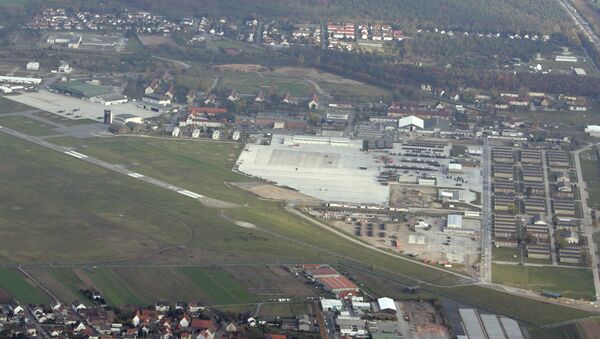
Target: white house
(331,304)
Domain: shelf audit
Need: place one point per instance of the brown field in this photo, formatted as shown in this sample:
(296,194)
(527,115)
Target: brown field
(156,40)
(85,278)
(58,288)
(5,297)
(270,282)
(272,192)
(591,328)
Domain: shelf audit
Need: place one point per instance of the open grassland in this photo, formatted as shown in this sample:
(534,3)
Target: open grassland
(9,106)
(64,120)
(252,83)
(114,289)
(590,166)
(27,125)
(571,283)
(221,287)
(113,217)
(351,91)
(200,166)
(20,288)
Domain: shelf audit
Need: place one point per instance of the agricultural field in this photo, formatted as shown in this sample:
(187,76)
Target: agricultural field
(571,283)
(114,289)
(27,125)
(13,284)
(220,286)
(584,329)
(62,282)
(590,166)
(351,91)
(272,282)
(285,309)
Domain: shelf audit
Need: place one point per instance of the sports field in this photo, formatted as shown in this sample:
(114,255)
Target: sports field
(571,283)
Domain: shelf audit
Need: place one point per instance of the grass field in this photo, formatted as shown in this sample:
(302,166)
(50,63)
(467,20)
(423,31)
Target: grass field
(252,83)
(114,289)
(221,287)
(27,125)
(571,283)
(21,288)
(64,120)
(506,254)
(113,217)
(590,166)
(352,91)
(9,106)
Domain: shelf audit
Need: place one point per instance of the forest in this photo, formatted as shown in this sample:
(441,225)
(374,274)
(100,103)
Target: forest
(540,16)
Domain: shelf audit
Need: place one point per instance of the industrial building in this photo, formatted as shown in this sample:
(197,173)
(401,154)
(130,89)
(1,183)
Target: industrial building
(110,99)
(488,326)
(317,140)
(454,221)
(80,89)
(20,80)
(410,123)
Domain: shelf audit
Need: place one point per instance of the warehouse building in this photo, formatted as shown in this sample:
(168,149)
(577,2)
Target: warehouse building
(488,326)
(454,221)
(20,80)
(80,89)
